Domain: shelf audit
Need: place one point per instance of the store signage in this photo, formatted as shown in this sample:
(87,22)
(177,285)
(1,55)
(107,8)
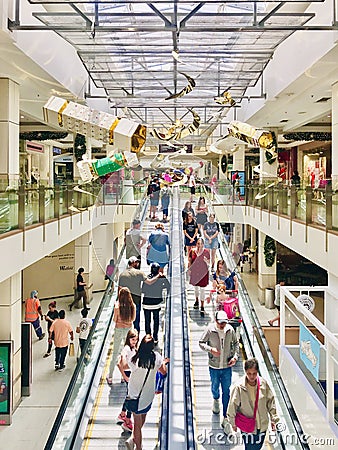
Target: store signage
(165,148)
(309,348)
(64,159)
(33,147)
(5,382)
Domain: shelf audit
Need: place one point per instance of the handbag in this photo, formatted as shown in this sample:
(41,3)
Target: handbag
(71,349)
(131,404)
(244,423)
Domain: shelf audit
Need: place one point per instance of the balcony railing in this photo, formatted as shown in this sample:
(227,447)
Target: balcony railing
(23,207)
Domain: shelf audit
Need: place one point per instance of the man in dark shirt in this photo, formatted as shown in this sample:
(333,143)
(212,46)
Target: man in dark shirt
(80,290)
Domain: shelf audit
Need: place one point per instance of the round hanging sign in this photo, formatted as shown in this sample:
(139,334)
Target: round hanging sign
(307,301)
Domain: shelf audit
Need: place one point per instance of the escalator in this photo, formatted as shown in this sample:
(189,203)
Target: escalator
(180,418)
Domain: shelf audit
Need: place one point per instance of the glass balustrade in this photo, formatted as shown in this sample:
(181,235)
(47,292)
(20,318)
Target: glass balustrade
(20,208)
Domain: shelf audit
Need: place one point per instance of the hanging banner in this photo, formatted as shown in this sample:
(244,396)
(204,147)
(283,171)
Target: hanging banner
(309,348)
(5,382)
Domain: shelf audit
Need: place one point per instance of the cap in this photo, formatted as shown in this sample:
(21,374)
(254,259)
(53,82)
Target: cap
(221,317)
(132,260)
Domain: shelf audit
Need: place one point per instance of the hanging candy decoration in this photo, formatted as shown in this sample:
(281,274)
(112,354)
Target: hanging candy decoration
(189,87)
(225,99)
(178,130)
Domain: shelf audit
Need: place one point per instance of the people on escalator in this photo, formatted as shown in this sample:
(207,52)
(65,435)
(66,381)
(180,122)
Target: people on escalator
(134,240)
(154,194)
(143,366)
(211,231)
(201,213)
(251,405)
(124,316)
(223,275)
(198,271)
(133,278)
(129,350)
(153,297)
(219,340)
(165,201)
(190,231)
(187,208)
(159,247)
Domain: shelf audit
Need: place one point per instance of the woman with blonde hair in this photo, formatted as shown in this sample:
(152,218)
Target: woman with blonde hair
(124,316)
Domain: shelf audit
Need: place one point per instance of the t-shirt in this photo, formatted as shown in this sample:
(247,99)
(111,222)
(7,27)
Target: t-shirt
(84,326)
(133,239)
(52,315)
(79,287)
(61,328)
(211,228)
(137,378)
(132,278)
(153,293)
(128,352)
(190,227)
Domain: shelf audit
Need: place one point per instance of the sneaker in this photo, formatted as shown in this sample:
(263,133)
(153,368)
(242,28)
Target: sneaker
(129,443)
(109,381)
(57,366)
(215,406)
(120,419)
(42,336)
(227,429)
(196,305)
(46,355)
(128,425)
(202,311)
(62,368)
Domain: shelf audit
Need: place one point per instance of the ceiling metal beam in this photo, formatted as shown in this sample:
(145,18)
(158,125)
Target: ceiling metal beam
(81,14)
(157,29)
(159,14)
(115,2)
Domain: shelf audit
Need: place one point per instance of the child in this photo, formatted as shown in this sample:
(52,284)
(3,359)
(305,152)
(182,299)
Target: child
(128,352)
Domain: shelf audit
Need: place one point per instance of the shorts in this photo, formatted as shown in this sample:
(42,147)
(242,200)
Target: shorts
(187,242)
(192,190)
(145,410)
(154,201)
(165,211)
(213,245)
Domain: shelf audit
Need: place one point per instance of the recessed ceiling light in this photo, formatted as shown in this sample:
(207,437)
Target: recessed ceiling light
(22,117)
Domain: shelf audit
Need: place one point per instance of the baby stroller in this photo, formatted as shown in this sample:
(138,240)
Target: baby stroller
(227,300)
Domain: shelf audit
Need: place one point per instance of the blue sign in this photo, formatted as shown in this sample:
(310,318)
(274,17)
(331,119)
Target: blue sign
(309,348)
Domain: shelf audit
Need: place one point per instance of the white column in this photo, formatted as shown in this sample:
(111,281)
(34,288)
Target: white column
(239,158)
(334,154)
(84,258)
(266,275)
(9,133)
(11,316)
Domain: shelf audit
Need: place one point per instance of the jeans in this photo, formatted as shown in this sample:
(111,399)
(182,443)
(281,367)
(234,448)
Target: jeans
(147,319)
(221,377)
(253,441)
(120,335)
(60,356)
(136,322)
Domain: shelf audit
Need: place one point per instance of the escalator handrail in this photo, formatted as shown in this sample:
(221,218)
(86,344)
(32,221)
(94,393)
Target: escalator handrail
(140,213)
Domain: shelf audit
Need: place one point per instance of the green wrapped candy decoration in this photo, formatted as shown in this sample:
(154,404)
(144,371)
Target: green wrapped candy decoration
(109,165)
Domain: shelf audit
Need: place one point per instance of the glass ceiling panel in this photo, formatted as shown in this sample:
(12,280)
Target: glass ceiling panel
(127,47)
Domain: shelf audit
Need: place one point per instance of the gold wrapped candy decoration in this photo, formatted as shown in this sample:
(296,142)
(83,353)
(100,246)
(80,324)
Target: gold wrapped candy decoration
(189,87)
(225,99)
(178,130)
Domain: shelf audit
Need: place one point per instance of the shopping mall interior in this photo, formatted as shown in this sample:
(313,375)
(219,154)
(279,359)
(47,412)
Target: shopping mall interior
(237,98)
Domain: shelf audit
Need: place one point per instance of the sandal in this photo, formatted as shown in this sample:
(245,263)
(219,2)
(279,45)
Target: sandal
(109,381)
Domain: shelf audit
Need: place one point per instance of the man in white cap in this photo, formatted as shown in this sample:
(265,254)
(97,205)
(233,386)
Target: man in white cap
(133,278)
(219,340)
